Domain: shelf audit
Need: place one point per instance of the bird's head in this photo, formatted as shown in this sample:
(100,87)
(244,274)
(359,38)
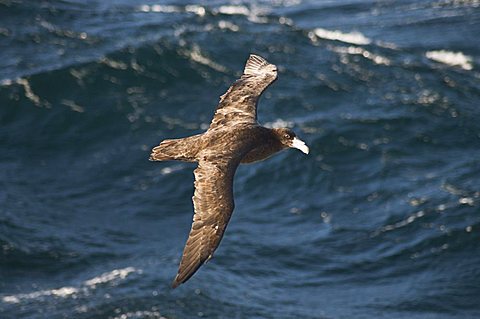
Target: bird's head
(288,138)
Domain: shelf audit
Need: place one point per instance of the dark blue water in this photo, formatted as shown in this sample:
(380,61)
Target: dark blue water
(381,220)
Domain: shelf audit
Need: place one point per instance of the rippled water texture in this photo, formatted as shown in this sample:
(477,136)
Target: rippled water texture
(381,220)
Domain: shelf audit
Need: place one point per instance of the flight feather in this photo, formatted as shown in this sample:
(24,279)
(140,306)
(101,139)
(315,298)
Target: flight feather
(239,103)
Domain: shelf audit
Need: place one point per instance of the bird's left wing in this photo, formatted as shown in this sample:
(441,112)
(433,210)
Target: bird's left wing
(239,103)
(213,205)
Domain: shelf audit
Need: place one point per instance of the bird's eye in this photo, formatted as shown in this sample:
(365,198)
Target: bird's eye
(286,136)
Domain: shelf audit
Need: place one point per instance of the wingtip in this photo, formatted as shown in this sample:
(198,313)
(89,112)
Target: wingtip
(256,56)
(152,158)
(255,64)
(177,281)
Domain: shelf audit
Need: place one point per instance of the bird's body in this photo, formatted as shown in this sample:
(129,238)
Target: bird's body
(234,137)
(247,136)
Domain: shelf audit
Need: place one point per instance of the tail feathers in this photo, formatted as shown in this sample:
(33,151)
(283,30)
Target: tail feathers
(163,152)
(175,150)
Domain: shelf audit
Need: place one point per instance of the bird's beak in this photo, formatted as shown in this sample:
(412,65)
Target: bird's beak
(299,144)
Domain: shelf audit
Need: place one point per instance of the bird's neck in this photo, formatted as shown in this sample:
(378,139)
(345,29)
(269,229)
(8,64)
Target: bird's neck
(270,146)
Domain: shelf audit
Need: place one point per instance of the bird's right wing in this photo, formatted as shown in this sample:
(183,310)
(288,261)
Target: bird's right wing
(213,205)
(239,103)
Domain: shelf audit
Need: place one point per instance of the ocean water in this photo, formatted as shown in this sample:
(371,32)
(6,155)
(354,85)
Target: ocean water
(381,220)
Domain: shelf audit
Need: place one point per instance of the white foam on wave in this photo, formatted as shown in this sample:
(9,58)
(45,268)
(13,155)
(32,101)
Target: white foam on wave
(6,82)
(451,58)
(353,37)
(253,14)
(60,292)
(410,219)
(458,3)
(160,8)
(73,105)
(196,55)
(226,25)
(29,94)
(110,276)
(377,59)
(171,169)
(198,10)
(140,314)
(118,65)
(279,123)
(233,10)
(68,291)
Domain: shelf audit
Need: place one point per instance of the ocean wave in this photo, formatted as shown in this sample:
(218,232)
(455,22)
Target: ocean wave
(253,13)
(141,314)
(386,202)
(160,8)
(125,69)
(234,10)
(29,94)
(354,37)
(112,278)
(451,58)
(226,25)
(62,292)
(195,54)
(377,59)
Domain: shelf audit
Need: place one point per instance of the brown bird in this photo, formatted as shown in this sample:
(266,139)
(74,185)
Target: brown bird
(234,137)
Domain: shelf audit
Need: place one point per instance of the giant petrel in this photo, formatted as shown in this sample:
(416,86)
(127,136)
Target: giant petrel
(234,137)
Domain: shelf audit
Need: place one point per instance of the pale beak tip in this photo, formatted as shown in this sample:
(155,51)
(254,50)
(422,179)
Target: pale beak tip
(299,144)
(305,150)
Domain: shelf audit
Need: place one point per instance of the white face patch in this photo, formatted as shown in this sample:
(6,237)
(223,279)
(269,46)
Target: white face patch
(299,144)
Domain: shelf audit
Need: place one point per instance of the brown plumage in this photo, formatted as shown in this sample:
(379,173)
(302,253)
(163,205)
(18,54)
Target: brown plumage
(234,137)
